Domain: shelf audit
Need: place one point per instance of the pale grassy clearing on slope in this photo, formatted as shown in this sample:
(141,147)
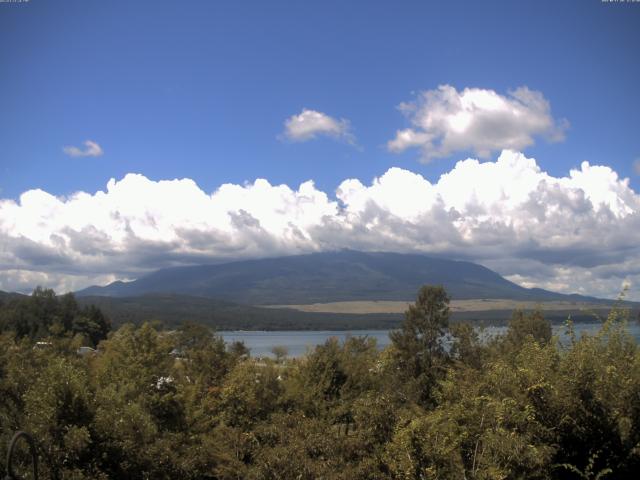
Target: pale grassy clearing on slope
(479,305)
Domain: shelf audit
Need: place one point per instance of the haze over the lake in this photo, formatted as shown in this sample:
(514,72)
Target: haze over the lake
(218,131)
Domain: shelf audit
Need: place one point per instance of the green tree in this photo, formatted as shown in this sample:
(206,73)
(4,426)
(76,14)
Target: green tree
(251,392)
(597,414)
(467,346)
(419,351)
(523,325)
(44,315)
(280,352)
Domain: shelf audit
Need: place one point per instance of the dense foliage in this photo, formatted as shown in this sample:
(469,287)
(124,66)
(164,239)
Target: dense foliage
(44,315)
(182,404)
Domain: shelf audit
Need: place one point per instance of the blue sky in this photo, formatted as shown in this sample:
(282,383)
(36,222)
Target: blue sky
(201,91)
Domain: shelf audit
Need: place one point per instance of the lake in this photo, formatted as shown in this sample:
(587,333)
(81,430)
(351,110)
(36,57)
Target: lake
(299,341)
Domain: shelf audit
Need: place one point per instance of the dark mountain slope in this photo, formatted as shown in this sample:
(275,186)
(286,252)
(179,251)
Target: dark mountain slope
(327,277)
(6,296)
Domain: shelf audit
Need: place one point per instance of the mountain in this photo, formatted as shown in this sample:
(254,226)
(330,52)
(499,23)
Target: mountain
(328,277)
(6,296)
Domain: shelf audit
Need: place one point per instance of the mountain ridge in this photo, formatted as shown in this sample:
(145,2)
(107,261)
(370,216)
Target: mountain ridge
(328,277)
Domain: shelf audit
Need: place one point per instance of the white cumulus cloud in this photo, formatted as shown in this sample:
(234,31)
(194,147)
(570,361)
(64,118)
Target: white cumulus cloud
(310,124)
(444,121)
(91,149)
(574,233)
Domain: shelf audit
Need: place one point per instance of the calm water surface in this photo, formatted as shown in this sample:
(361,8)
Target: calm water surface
(298,342)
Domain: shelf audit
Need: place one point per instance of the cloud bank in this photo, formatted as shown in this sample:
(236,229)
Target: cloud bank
(579,233)
(91,149)
(310,124)
(444,121)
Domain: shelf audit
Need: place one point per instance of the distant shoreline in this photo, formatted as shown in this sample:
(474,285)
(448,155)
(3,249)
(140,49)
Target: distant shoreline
(360,307)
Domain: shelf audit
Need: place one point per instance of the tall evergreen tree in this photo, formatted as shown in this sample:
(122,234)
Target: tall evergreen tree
(419,351)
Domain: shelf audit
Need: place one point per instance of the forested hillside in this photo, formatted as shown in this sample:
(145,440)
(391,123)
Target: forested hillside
(44,314)
(182,404)
(172,310)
